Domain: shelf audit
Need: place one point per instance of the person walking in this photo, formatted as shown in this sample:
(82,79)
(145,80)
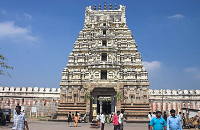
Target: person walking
(184,120)
(121,120)
(69,119)
(153,115)
(76,117)
(85,118)
(158,123)
(98,119)
(173,122)
(165,116)
(116,121)
(149,118)
(103,120)
(19,120)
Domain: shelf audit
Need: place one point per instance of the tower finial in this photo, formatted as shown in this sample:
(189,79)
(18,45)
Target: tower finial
(95,7)
(99,7)
(105,5)
(110,6)
(115,6)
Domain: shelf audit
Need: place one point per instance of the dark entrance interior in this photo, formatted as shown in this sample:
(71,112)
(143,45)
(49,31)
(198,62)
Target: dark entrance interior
(106,107)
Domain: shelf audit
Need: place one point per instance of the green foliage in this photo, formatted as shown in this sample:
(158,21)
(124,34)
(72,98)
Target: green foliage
(87,95)
(4,66)
(119,96)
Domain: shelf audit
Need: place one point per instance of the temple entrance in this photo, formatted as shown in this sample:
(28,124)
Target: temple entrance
(104,99)
(107,107)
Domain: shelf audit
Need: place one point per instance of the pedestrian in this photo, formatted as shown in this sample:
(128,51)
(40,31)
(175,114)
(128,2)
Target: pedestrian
(76,117)
(107,119)
(19,120)
(98,119)
(173,122)
(121,120)
(85,118)
(153,115)
(103,120)
(165,116)
(179,115)
(69,119)
(184,120)
(116,121)
(149,118)
(158,123)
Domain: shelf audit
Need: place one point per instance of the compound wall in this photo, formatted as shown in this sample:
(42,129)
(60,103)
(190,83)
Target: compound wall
(46,100)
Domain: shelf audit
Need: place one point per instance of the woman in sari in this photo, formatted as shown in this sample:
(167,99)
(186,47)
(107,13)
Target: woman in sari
(76,117)
(69,119)
(184,121)
(107,119)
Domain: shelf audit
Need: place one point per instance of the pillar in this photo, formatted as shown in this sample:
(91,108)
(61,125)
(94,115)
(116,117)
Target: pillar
(101,106)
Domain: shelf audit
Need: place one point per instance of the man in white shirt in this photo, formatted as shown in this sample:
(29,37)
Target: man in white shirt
(153,115)
(149,118)
(102,120)
(19,120)
(98,119)
(121,120)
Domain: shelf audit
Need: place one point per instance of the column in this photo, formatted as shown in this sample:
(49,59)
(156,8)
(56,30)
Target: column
(101,106)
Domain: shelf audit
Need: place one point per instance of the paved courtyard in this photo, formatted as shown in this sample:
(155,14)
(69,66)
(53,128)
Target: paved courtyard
(44,125)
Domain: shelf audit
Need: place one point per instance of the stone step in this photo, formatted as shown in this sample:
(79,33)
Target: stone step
(66,112)
(129,111)
(138,109)
(135,103)
(74,103)
(67,108)
(135,114)
(144,106)
(71,105)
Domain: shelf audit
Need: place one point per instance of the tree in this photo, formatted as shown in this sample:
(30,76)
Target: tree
(4,66)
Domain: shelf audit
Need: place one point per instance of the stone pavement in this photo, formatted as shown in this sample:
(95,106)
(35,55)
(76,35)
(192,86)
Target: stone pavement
(45,125)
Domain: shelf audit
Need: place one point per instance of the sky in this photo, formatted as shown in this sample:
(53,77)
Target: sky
(37,36)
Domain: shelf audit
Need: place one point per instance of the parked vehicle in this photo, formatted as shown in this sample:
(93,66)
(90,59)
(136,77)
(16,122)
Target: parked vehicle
(2,118)
(7,114)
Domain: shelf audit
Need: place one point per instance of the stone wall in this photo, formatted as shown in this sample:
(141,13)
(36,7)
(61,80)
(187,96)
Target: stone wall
(174,99)
(47,99)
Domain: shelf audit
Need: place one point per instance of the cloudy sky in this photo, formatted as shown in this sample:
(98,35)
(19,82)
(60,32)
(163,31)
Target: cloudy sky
(37,36)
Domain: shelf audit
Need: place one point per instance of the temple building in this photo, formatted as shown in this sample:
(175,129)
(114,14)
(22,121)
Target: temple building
(105,71)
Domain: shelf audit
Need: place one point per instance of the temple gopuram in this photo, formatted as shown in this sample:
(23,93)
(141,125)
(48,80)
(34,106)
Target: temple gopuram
(104,71)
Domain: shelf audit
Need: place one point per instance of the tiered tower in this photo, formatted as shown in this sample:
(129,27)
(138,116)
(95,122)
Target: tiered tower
(106,67)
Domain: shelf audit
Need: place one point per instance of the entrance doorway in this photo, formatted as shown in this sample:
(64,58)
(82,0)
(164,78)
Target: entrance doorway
(107,107)
(105,100)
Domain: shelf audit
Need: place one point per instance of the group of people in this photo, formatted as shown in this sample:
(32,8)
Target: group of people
(76,118)
(116,119)
(162,122)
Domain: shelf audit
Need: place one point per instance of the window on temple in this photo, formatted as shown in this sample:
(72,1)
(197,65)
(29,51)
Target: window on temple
(104,24)
(104,32)
(104,43)
(104,74)
(103,56)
